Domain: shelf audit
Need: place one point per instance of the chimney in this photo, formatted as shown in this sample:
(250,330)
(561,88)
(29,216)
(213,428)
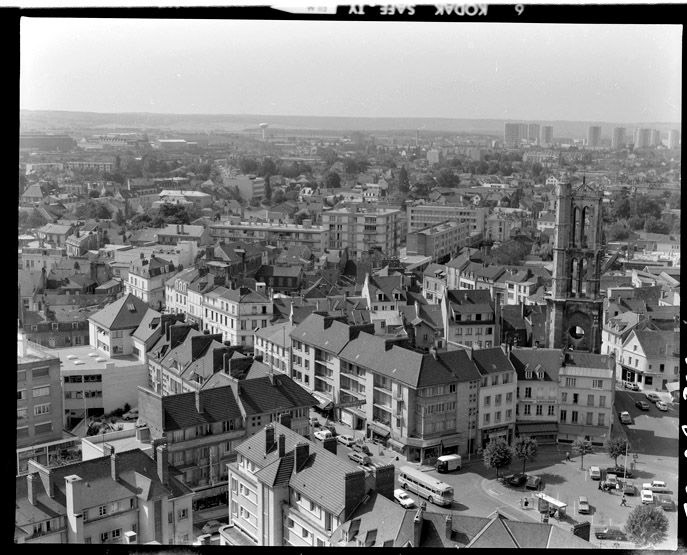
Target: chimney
(285,420)
(417,528)
(32,487)
(330,444)
(74,494)
(384,480)
(162,464)
(269,438)
(199,403)
(108,450)
(113,464)
(449,526)
(301,454)
(281,445)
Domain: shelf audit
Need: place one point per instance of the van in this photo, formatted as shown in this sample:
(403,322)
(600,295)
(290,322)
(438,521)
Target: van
(359,458)
(449,463)
(595,473)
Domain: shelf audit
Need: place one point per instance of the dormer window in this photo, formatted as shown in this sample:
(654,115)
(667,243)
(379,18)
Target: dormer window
(380,296)
(540,375)
(528,374)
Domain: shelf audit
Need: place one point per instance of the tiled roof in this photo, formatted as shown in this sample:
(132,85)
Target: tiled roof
(655,343)
(241,295)
(469,297)
(530,359)
(125,313)
(324,333)
(148,325)
(279,334)
(262,395)
(179,411)
(585,360)
(377,520)
(491,360)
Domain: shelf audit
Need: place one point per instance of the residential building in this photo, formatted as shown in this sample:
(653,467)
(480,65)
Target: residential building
(39,395)
(533,133)
(272,344)
(674,139)
(110,329)
(146,280)
(361,229)
(469,319)
(385,292)
(642,138)
(197,198)
(121,498)
(235,313)
(587,389)
(618,140)
(423,324)
(594,136)
(172,234)
(547,135)
(497,395)
(434,283)
(281,279)
(650,358)
(55,234)
(249,187)
(440,241)
(282,235)
(421,216)
(514,133)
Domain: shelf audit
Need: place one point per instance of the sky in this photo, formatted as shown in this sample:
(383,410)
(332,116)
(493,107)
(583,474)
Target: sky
(611,73)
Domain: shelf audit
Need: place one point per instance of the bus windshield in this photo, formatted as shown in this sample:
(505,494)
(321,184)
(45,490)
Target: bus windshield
(447,493)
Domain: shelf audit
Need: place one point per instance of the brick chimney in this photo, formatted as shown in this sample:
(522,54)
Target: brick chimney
(162,461)
(417,528)
(32,487)
(301,454)
(285,419)
(384,480)
(113,464)
(449,526)
(330,444)
(269,438)
(281,445)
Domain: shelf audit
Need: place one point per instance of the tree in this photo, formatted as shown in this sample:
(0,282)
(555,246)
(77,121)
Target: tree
(618,232)
(582,447)
(636,222)
(447,178)
(403,181)
(119,218)
(268,167)
(497,454)
(647,525)
(653,225)
(525,448)
(93,194)
(332,180)
(268,188)
(248,165)
(615,447)
(278,197)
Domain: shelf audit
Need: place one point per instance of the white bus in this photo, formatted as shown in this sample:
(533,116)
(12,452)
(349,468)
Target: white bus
(449,463)
(425,486)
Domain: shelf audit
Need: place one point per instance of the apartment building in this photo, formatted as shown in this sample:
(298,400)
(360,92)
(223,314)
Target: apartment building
(272,344)
(146,280)
(110,329)
(536,412)
(173,234)
(121,498)
(385,292)
(518,285)
(236,313)
(587,389)
(434,283)
(423,215)
(469,319)
(288,491)
(362,228)
(39,395)
(497,395)
(282,235)
(440,241)
(650,358)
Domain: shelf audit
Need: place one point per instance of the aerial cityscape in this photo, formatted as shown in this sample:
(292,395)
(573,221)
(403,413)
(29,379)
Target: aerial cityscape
(323,284)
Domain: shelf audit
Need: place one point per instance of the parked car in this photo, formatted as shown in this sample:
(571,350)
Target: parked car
(534,482)
(130,415)
(331,429)
(404,499)
(653,397)
(359,458)
(631,385)
(625,417)
(647,496)
(660,405)
(643,405)
(665,502)
(322,434)
(610,534)
(345,439)
(315,422)
(619,471)
(611,479)
(362,448)
(212,527)
(595,473)
(516,480)
(656,486)
(583,505)
(629,488)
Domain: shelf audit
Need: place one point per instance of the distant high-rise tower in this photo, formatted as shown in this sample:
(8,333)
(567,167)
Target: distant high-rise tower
(618,140)
(575,307)
(533,132)
(513,133)
(655,138)
(642,138)
(594,136)
(547,135)
(674,139)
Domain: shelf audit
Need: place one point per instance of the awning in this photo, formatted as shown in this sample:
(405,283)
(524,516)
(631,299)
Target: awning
(379,430)
(396,444)
(357,412)
(324,403)
(537,427)
(450,441)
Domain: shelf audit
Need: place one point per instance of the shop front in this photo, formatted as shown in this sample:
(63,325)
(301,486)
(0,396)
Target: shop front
(425,451)
(353,417)
(450,445)
(500,432)
(544,432)
(378,433)
(211,497)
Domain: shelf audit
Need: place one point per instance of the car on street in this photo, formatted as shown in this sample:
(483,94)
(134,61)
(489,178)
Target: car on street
(359,458)
(631,385)
(653,397)
(629,488)
(583,505)
(534,482)
(660,405)
(657,486)
(625,417)
(331,429)
(665,502)
(619,471)
(610,534)
(647,496)
(345,439)
(322,434)
(362,448)
(642,405)
(595,473)
(516,480)
(404,499)
(212,527)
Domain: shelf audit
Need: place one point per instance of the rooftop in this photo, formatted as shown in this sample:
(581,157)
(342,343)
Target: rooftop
(88,358)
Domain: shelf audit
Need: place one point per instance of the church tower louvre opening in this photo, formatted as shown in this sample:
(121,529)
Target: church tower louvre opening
(575,307)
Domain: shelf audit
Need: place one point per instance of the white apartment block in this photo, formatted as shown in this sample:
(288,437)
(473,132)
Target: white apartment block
(423,215)
(236,313)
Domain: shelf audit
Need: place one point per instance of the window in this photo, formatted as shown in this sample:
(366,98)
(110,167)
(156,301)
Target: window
(540,409)
(487,401)
(602,400)
(564,397)
(662,367)
(498,416)
(116,533)
(552,410)
(40,372)
(497,400)
(21,375)
(41,409)
(573,417)
(527,410)
(570,382)
(182,514)
(495,379)
(289,523)
(564,414)
(102,510)
(486,418)
(528,393)
(305,533)
(590,400)
(575,398)
(21,395)
(597,384)
(104,536)
(648,380)
(21,413)
(509,414)
(41,391)
(87,539)
(590,418)
(601,419)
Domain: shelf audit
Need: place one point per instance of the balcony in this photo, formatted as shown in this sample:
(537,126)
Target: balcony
(207,439)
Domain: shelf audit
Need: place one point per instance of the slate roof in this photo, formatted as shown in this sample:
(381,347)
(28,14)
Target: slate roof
(190,230)
(55,229)
(655,343)
(218,403)
(491,360)
(386,285)
(324,333)
(531,359)
(259,395)
(241,295)
(279,334)
(585,360)
(376,521)
(119,314)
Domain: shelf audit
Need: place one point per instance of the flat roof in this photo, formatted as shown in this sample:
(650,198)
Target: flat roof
(89,358)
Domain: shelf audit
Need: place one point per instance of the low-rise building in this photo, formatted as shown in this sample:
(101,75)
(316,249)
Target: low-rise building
(650,358)
(273,345)
(235,313)
(110,329)
(146,280)
(172,234)
(440,241)
(434,283)
(469,319)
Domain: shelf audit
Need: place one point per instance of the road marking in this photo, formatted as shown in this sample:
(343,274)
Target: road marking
(492,492)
